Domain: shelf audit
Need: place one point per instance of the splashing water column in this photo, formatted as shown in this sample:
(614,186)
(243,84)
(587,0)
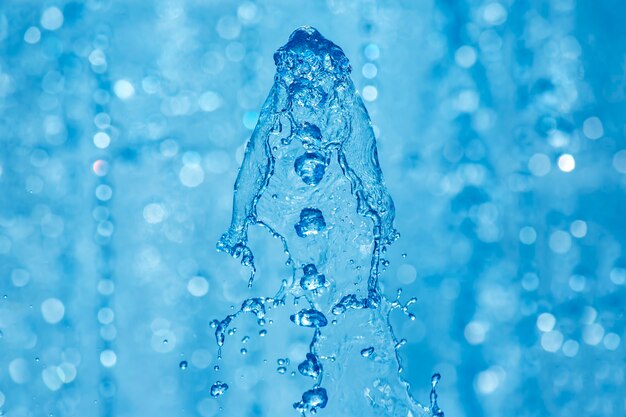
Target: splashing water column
(310,175)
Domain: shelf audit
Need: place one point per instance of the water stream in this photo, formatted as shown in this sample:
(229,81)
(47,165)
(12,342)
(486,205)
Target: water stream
(311,177)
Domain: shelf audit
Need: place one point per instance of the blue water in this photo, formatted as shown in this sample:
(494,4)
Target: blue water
(342,216)
(498,127)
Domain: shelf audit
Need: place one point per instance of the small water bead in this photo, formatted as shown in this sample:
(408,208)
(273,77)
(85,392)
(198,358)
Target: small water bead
(311,222)
(313,398)
(311,167)
(244,351)
(311,366)
(245,339)
(309,318)
(218,389)
(262,333)
(281,370)
(216,368)
(312,280)
(232,331)
(255,306)
(183,365)
(367,352)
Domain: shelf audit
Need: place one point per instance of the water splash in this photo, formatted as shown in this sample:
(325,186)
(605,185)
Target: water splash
(311,177)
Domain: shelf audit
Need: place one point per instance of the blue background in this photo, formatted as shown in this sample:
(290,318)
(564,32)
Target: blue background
(501,135)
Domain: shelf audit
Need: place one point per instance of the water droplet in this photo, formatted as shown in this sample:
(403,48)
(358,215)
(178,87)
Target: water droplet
(367,352)
(309,318)
(255,306)
(218,389)
(311,167)
(313,398)
(183,365)
(311,222)
(312,280)
(262,333)
(311,366)
(281,369)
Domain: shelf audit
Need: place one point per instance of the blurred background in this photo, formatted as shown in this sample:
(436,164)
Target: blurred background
(501,135)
